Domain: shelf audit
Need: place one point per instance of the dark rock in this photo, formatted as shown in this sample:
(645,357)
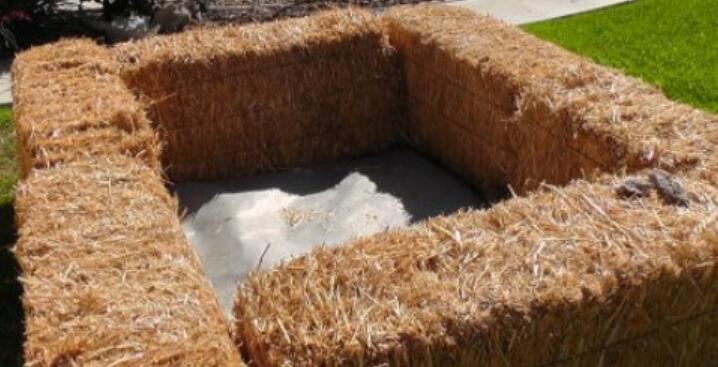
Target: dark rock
(171,18)
(634,188)
(669,190)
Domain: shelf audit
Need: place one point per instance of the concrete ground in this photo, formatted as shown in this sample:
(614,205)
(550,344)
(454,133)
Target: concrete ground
(237,226)
(529,11)
(5,83)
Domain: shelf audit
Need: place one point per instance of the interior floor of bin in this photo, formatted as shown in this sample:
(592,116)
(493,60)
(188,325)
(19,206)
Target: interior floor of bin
(240,225)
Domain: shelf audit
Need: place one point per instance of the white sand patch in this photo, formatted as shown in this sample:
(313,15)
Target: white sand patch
(232,232)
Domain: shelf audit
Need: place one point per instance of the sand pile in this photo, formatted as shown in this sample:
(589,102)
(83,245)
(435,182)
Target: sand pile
(238,233)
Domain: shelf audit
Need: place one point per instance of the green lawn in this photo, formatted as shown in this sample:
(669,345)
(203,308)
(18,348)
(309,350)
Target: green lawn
(670,43)
(8,177)
(7,156)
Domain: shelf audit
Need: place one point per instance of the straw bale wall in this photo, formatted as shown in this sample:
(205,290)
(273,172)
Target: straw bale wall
(108,277)
(238,100)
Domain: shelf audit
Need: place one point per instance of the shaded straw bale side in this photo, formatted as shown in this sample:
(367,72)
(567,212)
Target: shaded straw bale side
(239,100)
(107,274)
(501,106)
(70,103)
(575,274)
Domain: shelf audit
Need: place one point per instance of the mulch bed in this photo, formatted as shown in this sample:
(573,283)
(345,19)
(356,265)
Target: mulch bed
(68,23)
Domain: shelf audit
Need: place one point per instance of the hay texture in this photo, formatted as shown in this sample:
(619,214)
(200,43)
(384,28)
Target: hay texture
(584,275)
(238,100)
(108,277)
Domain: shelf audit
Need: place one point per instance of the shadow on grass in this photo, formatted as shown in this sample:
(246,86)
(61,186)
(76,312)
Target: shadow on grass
(11,312)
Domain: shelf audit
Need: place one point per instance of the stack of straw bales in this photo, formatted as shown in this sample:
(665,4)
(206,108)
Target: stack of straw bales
(108,276)
(240,100)
(576,276)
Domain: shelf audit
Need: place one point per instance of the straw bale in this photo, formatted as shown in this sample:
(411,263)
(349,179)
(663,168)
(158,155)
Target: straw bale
(562,274)
(75,109)
(107,274)
(239,100)
(542,113)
